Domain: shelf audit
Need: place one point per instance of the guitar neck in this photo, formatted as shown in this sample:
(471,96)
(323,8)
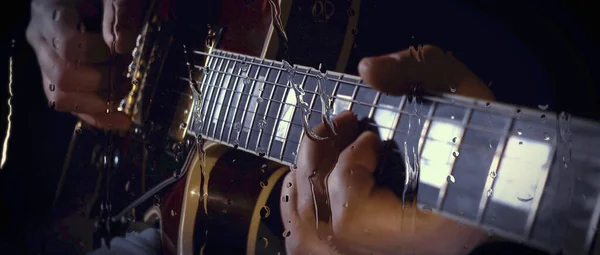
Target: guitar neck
(524,174)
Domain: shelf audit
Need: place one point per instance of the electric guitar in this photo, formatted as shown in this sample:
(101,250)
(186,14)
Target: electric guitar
(217,124)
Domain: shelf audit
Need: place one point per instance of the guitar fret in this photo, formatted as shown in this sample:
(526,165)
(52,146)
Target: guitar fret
(397,117)
(219,97)
(256,110)
(249,97)
(226,118)
(541,184)
(444,189)
(224,108)
(208,93)
(260,132)
(493,171)
(291,122)
(375,102)
(309,107)
(425,131)
(207,113)
(277,122)
(203,89)
(281,120)
(353,97)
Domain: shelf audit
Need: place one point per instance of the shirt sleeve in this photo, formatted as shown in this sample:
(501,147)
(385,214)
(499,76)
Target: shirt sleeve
(145,243)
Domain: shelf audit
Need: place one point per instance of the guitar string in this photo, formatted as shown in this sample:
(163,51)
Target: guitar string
(348,82)
(271,136)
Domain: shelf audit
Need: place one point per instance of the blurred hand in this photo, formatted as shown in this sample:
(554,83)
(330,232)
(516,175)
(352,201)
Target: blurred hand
(77,64)
(367,219)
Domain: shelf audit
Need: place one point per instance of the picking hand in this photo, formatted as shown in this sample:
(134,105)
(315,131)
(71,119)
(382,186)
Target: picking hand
(77,64)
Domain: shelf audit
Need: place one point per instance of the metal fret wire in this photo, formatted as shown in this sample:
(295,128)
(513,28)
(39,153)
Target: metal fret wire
(231,96)
(260,90)
(258,145)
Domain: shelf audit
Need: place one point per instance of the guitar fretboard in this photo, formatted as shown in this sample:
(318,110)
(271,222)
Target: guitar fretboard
(528,175)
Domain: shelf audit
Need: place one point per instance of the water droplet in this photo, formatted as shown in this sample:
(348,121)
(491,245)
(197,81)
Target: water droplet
(452,117)
(454,139)
(451,178)
(453,88)
(262,124)
(346,204)
(289,185)
(520,142)
(244,67)
(351,171)
(183,125)
(265,241)
(350,12)
(237,126)
(81,27)
(260,151)
(455,154)
(426,208)
(543,107)
(493,174)
(52,87)
(55,43)
(546,137)
(206,70)
(488,104)
(543,117)
(285,198)
(355,31)
(524,196)
(265,212)
(519,131)
(247,80)
(55,15)
(286,233)
(489,193)
(259,100)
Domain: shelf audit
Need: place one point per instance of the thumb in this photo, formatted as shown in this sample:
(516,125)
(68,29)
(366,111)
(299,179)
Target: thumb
(121,23)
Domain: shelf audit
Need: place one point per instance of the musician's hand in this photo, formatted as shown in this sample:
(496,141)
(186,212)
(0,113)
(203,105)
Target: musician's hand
(367,219)
(75,63)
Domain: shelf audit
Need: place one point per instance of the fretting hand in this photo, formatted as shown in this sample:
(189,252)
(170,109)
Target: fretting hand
(367,219)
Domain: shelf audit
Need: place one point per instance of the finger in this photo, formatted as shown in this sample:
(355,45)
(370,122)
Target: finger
(121,23)
(354,173)
(107,121)
(67,76)
(429,66)
(321,156)
(79,102)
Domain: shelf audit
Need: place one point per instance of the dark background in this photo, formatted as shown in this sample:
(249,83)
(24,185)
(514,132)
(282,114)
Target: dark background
(559,34)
